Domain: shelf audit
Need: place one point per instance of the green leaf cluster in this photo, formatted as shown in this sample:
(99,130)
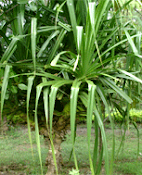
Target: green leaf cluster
(134,116)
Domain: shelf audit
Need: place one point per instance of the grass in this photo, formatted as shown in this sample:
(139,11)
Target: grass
(16,151)
(16,156)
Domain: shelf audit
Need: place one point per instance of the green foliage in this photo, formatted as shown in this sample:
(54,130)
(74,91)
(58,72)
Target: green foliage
(18,118)
(134,115)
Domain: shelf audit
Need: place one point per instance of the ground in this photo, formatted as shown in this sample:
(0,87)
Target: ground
(16,157)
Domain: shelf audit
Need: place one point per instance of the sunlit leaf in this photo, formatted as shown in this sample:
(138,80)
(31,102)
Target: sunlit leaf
(33,40)
(22,86)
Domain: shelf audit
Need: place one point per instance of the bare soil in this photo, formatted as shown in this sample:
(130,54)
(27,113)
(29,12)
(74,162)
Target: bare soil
(12,169)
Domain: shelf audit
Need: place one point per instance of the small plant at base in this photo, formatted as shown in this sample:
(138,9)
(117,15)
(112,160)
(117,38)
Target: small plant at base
(74,172)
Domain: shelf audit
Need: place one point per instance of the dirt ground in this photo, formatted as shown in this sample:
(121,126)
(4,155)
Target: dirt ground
(12,169)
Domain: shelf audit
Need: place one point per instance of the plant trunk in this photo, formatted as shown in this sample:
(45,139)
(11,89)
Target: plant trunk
(58,133)
(3,125)
(57,150)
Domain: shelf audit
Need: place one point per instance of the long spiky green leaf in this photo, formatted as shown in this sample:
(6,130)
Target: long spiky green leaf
(38,93)
(33,40)
(4,86)
(100,123)
(90,108)
(29,89)
(70,4)
(73,107)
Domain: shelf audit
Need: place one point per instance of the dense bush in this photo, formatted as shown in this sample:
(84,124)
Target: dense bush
(18,118)
(134,115)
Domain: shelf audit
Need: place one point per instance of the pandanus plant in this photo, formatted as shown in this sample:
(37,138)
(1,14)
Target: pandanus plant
(74,66)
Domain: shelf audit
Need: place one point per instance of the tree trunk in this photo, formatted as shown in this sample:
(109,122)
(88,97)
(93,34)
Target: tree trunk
(59,130)
(57,150)
(3,125)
